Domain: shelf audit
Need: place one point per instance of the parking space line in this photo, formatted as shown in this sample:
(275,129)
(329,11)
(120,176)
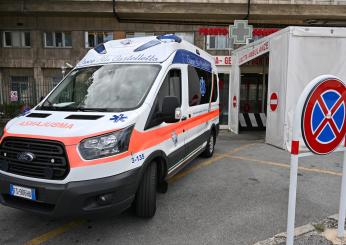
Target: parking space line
(54,233)
(285,165)
(208,162)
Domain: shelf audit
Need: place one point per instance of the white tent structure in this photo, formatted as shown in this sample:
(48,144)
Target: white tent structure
(296,56)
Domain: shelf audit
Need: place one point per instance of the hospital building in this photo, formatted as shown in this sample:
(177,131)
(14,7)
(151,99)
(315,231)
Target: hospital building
(41,40)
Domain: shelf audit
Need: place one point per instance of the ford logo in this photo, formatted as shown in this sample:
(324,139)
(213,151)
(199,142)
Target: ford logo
(26,156)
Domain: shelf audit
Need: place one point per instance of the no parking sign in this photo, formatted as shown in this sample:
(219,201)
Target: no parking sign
(319,122)
(323,126)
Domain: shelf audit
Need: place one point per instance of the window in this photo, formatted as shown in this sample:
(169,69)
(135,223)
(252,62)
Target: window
(171,86)
(16,39)
(219,42)
(57,39)
(139,34)
(187,36)
(215,89)
(92,39)
(21,85)
(200,85)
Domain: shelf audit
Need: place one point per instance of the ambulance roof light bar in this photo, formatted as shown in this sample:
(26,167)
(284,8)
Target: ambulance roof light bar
(101,49)
(147,45)
(169,38)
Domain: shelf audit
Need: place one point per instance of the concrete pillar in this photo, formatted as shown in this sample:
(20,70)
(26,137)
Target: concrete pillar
(38,78)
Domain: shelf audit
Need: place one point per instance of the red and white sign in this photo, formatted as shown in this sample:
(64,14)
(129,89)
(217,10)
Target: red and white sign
(274,100)
(14,96)
(223,60)
(234,101)
(223,31)
(213,31)
(323,117)
(320,120)
(256,51)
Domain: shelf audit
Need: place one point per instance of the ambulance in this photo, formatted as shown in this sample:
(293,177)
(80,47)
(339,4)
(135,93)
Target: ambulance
(128,117)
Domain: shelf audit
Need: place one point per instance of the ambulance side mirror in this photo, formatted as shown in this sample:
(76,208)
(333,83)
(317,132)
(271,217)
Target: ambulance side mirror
(169,107)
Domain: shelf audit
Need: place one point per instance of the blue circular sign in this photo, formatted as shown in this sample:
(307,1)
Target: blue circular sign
(323,125)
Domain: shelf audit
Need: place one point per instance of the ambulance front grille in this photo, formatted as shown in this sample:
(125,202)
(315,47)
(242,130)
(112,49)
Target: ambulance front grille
(44,159)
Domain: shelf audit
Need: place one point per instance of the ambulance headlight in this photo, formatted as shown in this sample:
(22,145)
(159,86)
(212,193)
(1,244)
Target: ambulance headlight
(106,145)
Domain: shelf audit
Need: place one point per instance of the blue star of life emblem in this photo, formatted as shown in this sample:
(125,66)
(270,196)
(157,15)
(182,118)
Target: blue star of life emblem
(175,138)
(203,86)
(118,118)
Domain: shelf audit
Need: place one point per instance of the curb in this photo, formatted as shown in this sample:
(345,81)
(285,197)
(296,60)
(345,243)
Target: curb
(299,231)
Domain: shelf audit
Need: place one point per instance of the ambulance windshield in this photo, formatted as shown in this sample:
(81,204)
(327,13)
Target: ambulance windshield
(116,87)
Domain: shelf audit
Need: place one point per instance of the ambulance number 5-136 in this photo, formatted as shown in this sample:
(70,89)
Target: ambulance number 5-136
(138,158)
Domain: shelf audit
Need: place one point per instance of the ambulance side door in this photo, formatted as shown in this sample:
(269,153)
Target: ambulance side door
(173,134)
(199,92)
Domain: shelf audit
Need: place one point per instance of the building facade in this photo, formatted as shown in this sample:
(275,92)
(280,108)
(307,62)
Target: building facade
(41,40)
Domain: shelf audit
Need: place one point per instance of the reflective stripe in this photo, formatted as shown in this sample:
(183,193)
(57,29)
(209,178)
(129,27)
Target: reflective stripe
(242,120)
(253,120)
(264,119)
(140,140)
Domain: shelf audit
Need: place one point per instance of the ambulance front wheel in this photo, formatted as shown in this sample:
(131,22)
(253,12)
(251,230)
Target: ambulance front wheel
(209,150)
(145,202)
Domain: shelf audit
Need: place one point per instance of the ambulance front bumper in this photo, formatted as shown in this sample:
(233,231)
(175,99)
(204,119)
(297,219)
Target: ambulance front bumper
(115,193)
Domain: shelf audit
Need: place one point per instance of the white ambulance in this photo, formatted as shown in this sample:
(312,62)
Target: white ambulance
(129,116)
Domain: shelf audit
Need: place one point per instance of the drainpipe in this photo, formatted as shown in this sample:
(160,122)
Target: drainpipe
(248,10)
(115,13)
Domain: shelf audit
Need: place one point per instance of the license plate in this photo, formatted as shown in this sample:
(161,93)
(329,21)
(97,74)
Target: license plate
(23,192)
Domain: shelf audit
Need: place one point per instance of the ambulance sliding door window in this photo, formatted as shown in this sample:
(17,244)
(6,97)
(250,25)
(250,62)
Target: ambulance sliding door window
(215,89)
(200,86)
(171,86)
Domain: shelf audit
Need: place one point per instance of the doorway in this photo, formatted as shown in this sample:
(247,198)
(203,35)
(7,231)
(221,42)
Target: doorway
(224,99)
(253,94)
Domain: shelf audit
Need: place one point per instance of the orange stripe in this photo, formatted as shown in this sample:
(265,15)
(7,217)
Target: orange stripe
(139,140)
(144,140)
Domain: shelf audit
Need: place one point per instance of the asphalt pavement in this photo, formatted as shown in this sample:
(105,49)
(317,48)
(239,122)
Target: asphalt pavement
(237,197)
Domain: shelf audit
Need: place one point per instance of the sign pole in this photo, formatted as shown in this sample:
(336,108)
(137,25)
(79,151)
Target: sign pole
(342,207)
(319,120)
(292,199)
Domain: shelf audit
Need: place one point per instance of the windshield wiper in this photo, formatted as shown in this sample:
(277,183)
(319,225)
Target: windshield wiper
(50,105)
(68,108)
(92,109)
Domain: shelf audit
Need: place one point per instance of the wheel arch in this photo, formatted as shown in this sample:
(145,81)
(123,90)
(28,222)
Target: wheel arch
(161,160)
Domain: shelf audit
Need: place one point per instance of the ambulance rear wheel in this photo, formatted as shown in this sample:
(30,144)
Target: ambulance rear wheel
(209,150)
(145,202)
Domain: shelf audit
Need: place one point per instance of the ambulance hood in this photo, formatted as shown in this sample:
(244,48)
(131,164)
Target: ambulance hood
(69,124)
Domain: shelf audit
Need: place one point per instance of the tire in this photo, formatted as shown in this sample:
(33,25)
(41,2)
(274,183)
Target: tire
(209,149)
(145,202)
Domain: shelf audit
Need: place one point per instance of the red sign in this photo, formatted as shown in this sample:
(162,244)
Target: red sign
(234,101)
(223,31)
(323,117)
(205,31)
(255,52)
(223,60)
(274,101)
(264,31)
(14,95)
